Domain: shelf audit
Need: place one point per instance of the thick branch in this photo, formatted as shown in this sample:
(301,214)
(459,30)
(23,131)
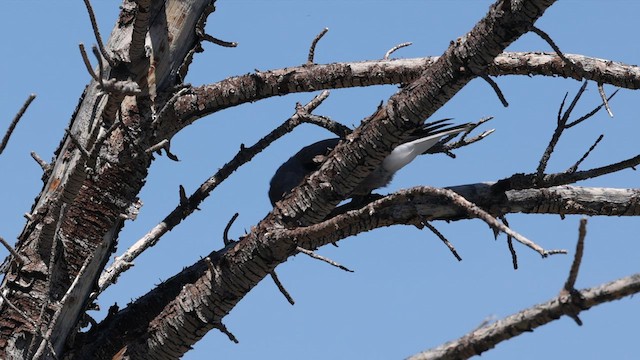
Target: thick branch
(190,204)
(204,100)
(221,285)
(96,190)
(229,277)
(408,207)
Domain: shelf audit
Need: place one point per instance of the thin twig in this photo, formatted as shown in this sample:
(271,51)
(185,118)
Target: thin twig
(496,89)
(96,32)
(561,126)
(87,62)
(325,122)
(443,239)
(573,168)
(157,146)
(96,53)
(573,104)
(19,258)
(217,41)
(569,285)
(223,329)
(524,181)
(512,250)
(590,113)
(281,288)
(603,95)
(551,43)
(312,49)
(43,164)
(15,120)
(393,49)
(225,234)
(322,258)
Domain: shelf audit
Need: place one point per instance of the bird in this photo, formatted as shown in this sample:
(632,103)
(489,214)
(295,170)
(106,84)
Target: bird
(309,159)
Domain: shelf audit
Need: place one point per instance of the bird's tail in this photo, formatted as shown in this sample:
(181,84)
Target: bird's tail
(426,137)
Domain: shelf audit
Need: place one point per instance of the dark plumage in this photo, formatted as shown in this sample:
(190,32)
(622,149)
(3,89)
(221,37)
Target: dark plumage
(309,158)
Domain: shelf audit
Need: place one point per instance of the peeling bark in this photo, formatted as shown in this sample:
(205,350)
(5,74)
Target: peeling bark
(102,163)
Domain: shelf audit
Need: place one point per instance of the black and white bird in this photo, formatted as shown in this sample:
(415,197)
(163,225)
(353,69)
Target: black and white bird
(309,158)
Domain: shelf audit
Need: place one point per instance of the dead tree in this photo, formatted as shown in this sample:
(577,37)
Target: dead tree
(138,101)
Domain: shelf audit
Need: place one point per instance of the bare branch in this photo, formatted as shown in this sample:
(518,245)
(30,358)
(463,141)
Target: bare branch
(326,123)
(475,211)
(561,126)
(184,209)
(312,49)
(218,42)
(322,258)
(525,181)
(96,53)
(443,239)
(19,258)
(605,101)
(223,329)
(393,49)
(207,99)
(495,88)
(225,234)
(590,113)
(87,62)
(553,45)
(574,167)
(569,286)
(96,32)
(512,250)
(341,226)
(281,288)
(485,338)
(14,122)
(304,114)
(43,164)
(157,146)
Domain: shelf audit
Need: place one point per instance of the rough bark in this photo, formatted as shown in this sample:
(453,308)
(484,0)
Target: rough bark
(95,179)
(224,277)
(77,216)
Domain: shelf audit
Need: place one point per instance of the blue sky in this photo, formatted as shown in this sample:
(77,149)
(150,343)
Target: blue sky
(407,293)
